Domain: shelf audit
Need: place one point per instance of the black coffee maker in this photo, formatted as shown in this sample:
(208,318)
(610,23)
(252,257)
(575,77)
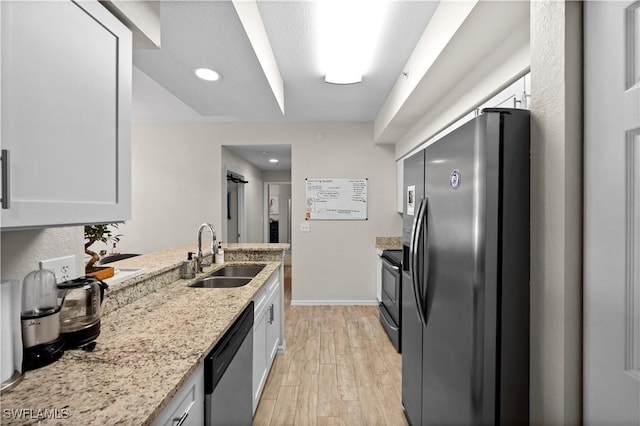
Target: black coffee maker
(80,314)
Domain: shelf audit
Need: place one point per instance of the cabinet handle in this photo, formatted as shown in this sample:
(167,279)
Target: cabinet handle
(184,415)
(182,419)
(5,179)
(271,314)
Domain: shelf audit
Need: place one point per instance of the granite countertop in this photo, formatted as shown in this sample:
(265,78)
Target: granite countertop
(389,243)
(171,258)
(278,247)
(146,350)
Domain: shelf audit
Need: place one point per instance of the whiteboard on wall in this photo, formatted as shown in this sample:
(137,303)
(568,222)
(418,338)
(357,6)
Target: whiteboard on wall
(336,199)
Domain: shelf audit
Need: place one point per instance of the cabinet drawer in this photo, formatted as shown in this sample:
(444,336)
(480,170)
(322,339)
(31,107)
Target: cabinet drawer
(259,302)
(272,283)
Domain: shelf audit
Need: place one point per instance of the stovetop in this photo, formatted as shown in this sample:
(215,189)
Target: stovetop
(393,256)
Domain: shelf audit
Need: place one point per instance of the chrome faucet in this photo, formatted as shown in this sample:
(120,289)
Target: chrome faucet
(214,246)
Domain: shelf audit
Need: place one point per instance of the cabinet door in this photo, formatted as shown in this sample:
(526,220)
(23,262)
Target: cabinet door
(187,404)
(66,113)
(273,325)
(259,355)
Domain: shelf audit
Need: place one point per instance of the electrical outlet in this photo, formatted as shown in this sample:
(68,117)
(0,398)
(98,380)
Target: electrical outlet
(64,268)
(304,227)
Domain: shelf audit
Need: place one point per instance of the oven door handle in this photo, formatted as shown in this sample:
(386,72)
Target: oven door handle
(386,264)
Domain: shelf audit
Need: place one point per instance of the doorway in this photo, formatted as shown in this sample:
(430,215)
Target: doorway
(277,212)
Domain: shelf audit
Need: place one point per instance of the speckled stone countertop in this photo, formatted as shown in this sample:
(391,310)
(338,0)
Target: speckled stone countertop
(389,243)
(146,350)
(171,258)
(163,267)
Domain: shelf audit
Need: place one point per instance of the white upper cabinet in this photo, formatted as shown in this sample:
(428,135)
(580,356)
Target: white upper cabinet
(66,114)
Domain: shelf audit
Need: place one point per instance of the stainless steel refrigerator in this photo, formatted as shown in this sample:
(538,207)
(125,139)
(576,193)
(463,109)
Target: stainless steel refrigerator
(465,296)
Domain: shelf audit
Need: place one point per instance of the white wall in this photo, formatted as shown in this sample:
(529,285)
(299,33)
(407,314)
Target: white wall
(22,250)
(276,176)
(175,186)
(509,61)
(252,194)
(335,261)
(556,212)
(284,197)
(178,166)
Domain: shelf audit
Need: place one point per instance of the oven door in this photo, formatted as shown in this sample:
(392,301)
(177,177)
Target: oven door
(391,290)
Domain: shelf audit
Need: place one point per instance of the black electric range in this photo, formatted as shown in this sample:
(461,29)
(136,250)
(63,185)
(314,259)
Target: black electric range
(391,303)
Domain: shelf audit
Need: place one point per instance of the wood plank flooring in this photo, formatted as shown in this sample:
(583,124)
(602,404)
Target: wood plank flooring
(339,369)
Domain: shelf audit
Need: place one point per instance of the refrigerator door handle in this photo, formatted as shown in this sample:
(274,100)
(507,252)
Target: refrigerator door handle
(425,258)
(414,258)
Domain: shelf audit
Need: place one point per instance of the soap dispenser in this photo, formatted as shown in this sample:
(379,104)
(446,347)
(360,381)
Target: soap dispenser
(220,254)
(189,267)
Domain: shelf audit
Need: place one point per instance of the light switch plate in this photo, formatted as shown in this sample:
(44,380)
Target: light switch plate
(304,227)
(64,268)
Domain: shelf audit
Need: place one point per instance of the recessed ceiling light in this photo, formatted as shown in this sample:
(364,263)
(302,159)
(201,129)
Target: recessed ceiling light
(207,74)
(273,160)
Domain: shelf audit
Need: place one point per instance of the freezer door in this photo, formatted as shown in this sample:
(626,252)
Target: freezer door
(458,385)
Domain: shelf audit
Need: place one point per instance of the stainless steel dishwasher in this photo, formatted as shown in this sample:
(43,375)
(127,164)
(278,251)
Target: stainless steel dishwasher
(228,375)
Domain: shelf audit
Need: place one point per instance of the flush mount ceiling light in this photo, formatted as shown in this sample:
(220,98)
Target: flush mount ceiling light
(273,160)
(348,31)
(207,74)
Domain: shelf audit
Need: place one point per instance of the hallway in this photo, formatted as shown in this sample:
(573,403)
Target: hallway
(339,369)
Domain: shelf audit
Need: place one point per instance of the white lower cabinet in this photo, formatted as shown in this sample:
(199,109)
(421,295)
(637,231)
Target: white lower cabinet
(266,333)
(187,405)
(259,357)
(273,325)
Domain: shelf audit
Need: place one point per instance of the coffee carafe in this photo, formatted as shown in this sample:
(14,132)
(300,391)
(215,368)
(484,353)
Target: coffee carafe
(40,318)
(80,314)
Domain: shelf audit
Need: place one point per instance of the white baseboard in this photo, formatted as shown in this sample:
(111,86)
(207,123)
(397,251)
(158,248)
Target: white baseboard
(333,302)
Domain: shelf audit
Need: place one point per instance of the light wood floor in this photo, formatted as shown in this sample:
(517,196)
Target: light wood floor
(339,369)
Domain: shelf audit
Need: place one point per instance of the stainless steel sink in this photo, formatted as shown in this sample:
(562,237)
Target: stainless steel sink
(221,282)
(247,271)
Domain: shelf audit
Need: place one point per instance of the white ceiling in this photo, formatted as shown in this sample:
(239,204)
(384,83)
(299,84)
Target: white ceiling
(259,155)
(210,33)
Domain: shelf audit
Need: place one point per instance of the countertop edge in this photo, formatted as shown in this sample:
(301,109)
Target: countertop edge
(116,346)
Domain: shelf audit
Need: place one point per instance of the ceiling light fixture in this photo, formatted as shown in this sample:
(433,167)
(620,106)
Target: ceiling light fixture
(207,74)
(348,31)
(273,160)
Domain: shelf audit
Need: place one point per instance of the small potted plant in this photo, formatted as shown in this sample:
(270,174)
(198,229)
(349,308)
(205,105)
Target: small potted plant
(102,233)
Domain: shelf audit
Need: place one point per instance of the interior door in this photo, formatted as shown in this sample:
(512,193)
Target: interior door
(232,212)
(612,212)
